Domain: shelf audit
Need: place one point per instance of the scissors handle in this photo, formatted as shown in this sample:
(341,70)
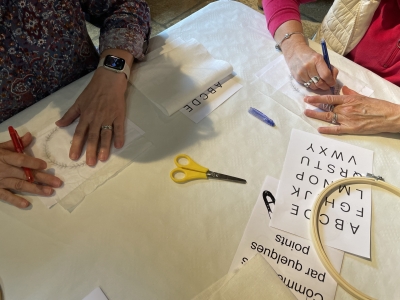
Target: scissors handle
(191,165)
(187,175)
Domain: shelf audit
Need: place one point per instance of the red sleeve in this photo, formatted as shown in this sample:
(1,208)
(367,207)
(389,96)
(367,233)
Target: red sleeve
(278,12)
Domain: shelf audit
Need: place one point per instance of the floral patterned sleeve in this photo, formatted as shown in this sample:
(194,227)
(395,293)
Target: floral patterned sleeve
(125,24)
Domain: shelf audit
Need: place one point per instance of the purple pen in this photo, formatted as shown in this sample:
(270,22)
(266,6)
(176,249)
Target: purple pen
(259,115)
(327,61)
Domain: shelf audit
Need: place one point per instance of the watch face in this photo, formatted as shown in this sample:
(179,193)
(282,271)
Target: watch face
(114,62)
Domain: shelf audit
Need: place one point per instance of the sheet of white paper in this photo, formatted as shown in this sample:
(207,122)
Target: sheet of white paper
(292,257)
(311,163)
(201,106)
(96,294)
(53,143)
(277,74)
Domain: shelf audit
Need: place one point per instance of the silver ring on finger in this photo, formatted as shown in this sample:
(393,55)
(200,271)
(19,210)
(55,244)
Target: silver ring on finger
(308,83)
(315,79)
(109,127)
(334,119)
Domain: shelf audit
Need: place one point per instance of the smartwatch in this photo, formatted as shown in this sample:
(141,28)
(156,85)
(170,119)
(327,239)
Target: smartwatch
(115,64)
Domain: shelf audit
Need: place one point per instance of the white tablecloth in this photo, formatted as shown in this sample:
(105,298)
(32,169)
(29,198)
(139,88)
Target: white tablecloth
(141,236)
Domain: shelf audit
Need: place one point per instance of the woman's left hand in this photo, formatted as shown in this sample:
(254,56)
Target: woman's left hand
(101,103)
(355,113)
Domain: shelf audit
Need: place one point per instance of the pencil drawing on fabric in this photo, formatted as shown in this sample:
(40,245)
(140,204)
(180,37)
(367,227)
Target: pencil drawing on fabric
(52,156)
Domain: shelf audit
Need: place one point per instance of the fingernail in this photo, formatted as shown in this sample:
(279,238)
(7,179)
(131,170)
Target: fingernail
(25,204)
(73,156)
(48,190)
(306,99)
(101,155)
(91,162)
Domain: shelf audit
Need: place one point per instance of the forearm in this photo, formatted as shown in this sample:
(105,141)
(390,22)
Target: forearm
(125,24)
(128,27)
(295,39)
(394,119)
(278,12)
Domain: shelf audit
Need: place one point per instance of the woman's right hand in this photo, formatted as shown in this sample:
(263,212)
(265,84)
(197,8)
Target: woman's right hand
(12,176)
(304,63)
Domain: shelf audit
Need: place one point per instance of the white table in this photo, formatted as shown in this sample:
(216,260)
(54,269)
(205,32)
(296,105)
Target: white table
(141,236)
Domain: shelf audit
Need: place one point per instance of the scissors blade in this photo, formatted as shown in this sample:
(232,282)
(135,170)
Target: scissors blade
(215,175)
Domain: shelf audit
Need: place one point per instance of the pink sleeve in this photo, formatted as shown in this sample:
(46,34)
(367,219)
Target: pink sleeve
(278,12)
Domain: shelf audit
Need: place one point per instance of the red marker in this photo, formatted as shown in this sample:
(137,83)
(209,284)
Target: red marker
(19,147)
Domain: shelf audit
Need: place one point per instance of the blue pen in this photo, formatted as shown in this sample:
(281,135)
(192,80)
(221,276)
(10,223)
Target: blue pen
(259,115)
(326,58)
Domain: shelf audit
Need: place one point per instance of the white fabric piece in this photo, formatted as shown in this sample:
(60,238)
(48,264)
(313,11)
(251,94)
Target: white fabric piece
(110,169)
(255,280)
(52,145)
(142,236)
(173,78)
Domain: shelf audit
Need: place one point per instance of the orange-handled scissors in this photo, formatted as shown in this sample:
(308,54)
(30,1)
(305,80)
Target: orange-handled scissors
(192,170)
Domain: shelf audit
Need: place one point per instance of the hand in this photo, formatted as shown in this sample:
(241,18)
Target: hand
(101,103)
(356,113)
(12,177)
(304,63)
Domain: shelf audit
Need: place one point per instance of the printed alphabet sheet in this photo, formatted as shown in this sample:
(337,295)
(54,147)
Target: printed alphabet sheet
(313,162)
(293,258)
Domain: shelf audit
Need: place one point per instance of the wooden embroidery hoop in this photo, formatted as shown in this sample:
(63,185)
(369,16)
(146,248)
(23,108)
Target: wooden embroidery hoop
(315,235)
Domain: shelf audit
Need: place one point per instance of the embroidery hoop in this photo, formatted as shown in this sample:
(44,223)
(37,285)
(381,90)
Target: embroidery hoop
(315,235)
